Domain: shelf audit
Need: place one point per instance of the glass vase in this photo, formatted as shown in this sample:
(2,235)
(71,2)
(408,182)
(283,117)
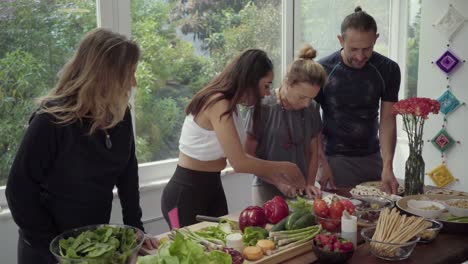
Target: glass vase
(414,174)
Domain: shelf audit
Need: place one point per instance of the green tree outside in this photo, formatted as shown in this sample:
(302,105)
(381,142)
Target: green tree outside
(36,38)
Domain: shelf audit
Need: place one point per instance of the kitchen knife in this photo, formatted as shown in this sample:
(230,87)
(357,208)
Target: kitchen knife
(201,218)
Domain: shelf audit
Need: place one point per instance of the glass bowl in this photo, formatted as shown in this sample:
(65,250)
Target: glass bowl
(114,256)
(369,207)
(330,224)
(430,233)
(325,256)
(386,250)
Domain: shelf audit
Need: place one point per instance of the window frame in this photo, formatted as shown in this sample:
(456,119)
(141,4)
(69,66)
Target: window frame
(116,15)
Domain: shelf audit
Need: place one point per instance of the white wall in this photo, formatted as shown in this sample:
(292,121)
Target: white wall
(432,82)
(236,186)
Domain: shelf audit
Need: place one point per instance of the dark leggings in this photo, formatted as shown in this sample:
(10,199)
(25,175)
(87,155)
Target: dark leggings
(28,254)
(190,193)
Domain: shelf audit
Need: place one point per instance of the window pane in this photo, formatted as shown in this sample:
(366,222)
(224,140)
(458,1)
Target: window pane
(36,38)
(184,44)
(318,23)
(412,52)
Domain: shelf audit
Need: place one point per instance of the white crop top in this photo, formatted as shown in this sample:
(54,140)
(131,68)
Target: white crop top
(201,144)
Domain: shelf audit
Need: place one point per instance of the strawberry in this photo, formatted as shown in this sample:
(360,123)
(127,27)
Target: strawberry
(337,245)
(328,247)
(325,240)
(346,246)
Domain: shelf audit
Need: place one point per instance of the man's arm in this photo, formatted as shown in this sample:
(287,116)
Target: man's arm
(313,166)
(313,162)
(326,177)
(387,137)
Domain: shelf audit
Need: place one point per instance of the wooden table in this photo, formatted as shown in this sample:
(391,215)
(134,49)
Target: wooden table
(446,248)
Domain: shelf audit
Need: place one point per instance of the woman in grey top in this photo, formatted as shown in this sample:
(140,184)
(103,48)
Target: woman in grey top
(289,126)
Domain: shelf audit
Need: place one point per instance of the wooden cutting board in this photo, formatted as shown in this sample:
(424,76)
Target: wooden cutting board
(289,255)
(303,250)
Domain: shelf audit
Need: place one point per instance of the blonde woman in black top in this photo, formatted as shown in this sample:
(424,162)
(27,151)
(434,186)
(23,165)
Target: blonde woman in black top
(78,146)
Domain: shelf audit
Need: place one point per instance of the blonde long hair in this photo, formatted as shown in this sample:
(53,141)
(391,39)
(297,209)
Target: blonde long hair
(95,83)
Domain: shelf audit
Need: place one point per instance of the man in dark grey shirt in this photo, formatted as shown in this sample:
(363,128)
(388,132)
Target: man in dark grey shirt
(357,146)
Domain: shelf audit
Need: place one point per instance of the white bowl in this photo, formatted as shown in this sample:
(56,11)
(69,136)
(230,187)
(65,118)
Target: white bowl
(457,211)
(417,207)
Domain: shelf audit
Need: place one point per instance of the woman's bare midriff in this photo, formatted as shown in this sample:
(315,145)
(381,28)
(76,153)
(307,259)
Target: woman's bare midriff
(194,164)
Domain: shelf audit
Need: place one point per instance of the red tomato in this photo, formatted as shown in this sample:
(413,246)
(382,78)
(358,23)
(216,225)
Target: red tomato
(336,210)
(321,208)
(329,225)
(348,205)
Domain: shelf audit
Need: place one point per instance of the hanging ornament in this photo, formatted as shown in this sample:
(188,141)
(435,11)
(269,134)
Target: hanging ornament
(448,62)
(441,176)
(448,102)
(443,141)
(450,22)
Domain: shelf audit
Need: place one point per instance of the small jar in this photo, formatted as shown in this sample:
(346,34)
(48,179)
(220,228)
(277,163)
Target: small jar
(349,228)
(234,241)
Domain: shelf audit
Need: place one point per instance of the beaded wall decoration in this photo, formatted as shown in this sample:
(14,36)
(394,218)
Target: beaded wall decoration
(448,102)
(443,141)
(441,176)
(449,24)
(448,62)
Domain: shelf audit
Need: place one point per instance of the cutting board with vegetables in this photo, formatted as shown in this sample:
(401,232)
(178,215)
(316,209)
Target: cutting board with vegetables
(279,257)
(288,254)
(195,227)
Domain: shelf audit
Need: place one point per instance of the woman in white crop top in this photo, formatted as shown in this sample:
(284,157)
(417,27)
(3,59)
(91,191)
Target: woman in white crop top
(212,134)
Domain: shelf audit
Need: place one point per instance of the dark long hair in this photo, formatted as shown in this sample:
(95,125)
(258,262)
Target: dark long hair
(238,80)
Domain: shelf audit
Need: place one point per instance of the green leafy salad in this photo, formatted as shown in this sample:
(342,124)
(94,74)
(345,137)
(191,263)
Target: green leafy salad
(107,244)
(185,251)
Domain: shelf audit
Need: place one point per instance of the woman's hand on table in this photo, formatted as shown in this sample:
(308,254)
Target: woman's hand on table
(311,191)
(326,180)
(150,242)
(291,175)
(287,190)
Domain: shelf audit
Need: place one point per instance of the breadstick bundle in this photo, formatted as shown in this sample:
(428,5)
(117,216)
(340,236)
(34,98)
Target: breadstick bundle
(395,229)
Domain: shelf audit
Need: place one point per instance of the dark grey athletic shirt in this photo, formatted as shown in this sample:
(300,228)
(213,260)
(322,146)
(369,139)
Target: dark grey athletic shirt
(276,124)
(350,102)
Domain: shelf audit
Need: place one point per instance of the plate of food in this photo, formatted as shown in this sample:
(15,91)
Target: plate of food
(378,184)
(374,189)
(447,192)
(369,207)
(453,221)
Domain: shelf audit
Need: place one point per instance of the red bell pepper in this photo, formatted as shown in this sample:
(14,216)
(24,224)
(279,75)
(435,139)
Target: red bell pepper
(252,216)
(276,209)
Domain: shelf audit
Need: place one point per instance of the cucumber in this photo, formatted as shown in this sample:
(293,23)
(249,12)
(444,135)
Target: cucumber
(306,220)
(292,218)
(280,226)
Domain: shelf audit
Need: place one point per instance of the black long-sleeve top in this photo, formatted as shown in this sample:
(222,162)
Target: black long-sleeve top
(63,178)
